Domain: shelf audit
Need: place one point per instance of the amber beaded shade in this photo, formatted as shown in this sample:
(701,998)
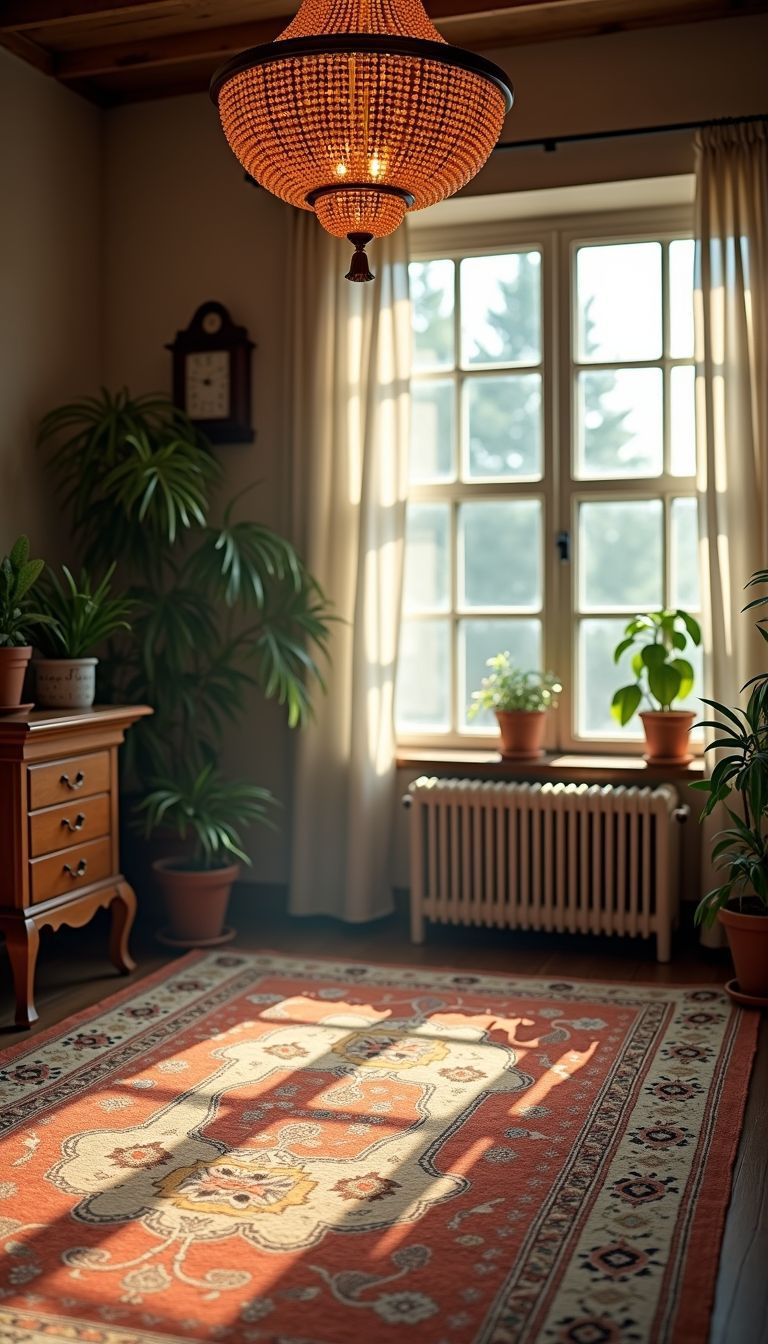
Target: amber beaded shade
(401,18)
(360,111)
(360,211)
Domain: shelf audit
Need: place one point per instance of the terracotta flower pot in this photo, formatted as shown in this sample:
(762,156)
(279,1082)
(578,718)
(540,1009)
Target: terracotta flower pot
(65,683)
(195,902)
(13,666)
(522,733)
(748,941)
(666,733)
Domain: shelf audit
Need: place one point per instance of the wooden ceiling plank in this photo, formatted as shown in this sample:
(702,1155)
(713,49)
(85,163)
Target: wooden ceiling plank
(172,49)
(444,11)
(22,14)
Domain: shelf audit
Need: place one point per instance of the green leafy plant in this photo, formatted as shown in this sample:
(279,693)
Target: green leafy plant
(18,576)
(742,848)
(509,688)
(202,806)
(80,616)
(219,607)
(661,674)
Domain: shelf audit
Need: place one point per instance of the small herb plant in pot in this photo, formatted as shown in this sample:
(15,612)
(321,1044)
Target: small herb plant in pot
(662,676)
(741,850)
(202,807)
(18,576)
(80,619)
(519,700)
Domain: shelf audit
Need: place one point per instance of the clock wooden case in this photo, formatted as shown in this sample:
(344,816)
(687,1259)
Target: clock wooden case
(212,375)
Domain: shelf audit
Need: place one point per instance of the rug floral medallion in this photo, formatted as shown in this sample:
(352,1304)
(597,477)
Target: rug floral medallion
(252,1148)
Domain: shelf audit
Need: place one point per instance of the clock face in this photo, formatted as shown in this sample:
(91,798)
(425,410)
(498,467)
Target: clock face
(212,323)
(207,385)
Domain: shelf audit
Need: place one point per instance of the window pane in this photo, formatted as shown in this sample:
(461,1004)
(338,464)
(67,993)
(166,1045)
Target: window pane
(500,554)
(619,302)
(599,678)
(681,298)
(501,309)
(427,559)
(479,641)
(432,303)
(423,692)
(620,555)
(503,430)
(432,456)
(683,421)
(620,423)
(684,554)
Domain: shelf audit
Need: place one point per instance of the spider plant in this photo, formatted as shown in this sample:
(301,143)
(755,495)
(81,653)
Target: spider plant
(80,617)
(203,807)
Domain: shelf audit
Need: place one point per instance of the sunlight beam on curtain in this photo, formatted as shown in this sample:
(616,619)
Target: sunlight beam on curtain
(350,408)
(731,321)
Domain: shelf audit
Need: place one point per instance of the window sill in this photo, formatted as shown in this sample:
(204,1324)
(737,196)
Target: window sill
(558,765)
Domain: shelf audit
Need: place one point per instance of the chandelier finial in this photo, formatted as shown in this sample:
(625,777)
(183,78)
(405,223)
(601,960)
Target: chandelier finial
(359,269)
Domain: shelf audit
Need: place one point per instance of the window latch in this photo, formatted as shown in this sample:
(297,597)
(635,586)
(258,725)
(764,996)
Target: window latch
(563,544)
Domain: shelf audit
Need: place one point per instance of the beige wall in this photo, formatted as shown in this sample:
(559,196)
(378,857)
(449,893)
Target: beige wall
(181,226)
(49,283)
(649,77)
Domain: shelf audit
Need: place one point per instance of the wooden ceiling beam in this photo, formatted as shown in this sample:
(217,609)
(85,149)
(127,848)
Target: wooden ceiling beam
(28,51)
(21,14)
(172,49)
(216,44)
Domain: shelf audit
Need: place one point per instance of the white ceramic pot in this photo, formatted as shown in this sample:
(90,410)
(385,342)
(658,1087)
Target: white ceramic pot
(66,683)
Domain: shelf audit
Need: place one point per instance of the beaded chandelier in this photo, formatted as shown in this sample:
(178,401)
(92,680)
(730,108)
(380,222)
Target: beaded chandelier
(361,111)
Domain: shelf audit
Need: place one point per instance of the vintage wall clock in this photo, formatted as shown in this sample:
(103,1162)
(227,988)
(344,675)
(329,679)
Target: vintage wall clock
(212,375)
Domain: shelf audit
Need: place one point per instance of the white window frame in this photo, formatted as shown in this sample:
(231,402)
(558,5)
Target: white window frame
(557,239)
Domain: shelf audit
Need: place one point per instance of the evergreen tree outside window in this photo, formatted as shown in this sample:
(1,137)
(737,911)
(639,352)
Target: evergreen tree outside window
(552,392)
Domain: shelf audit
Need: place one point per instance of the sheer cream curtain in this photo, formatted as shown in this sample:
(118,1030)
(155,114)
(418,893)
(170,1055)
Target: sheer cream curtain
(731,317)
(350,372)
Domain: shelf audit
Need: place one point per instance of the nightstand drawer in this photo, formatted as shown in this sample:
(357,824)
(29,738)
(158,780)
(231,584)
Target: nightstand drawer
(68,824)
(73,778)
(65,872)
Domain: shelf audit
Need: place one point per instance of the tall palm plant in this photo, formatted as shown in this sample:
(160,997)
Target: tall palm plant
(219,607)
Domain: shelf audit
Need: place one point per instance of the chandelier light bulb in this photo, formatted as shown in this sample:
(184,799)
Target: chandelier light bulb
(361,111)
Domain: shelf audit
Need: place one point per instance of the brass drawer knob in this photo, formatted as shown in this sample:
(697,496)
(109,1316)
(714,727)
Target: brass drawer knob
(78,871)
(77,824)
(76,783)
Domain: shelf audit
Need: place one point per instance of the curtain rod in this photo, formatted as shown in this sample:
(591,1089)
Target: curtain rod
(549,143)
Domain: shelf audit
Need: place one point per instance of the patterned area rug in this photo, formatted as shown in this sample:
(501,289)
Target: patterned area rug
(259,1148)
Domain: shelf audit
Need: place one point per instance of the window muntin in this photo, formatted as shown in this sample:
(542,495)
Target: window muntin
(544,415)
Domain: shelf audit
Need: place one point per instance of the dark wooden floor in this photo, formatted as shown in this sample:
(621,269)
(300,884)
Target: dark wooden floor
(73,973)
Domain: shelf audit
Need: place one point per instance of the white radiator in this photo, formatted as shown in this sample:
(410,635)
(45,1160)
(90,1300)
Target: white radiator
(575,858)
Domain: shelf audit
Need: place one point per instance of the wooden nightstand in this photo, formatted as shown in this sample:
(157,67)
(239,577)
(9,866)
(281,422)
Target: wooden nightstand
(59,857)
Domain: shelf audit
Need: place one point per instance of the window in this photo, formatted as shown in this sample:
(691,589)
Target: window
(552,416)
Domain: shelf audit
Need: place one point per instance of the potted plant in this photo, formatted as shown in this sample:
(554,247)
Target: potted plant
(519,700)
(18,576)
(81,618)
(741,901)
(203,808)
(222,607)
(662,676)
